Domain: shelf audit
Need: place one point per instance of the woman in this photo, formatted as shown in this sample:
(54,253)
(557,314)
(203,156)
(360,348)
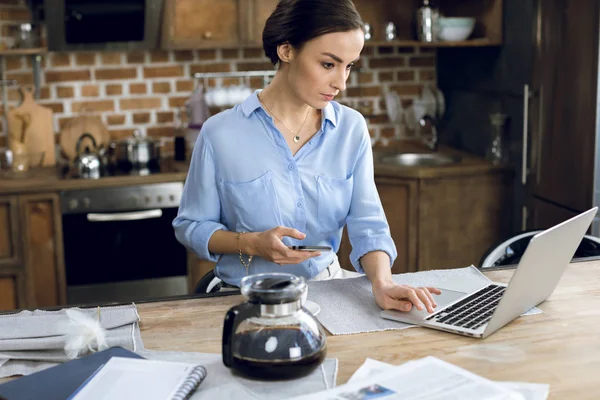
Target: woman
(290,166)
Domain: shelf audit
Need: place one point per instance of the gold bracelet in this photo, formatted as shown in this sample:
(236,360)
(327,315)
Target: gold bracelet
(246,265)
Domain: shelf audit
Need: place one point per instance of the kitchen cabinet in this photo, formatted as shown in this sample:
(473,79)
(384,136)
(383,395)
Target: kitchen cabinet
(543,215)
(444,222)
(550,47)
(487,14)
(9,250)
(189,24)
(31,252)
(563,108)
(258,12)
(41,225)
(11,293)
(460,218)
(8,293)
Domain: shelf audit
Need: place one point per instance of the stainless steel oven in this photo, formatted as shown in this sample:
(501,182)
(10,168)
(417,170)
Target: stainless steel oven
(119,243)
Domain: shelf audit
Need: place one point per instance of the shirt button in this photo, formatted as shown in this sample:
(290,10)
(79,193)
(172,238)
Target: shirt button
(311,263)
(310,142)
(290,167)
(299,204)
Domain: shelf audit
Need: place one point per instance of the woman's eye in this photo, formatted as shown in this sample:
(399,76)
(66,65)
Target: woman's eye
(327,65)
(350,66)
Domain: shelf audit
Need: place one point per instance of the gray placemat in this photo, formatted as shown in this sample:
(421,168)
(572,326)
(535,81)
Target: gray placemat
(31,341)
(220,383)
(348,305)
(41,323)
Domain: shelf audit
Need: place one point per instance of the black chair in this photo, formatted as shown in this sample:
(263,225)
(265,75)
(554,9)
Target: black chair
(210,283)
(510,251)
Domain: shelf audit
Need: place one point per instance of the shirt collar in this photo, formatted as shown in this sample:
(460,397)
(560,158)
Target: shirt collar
(252,103)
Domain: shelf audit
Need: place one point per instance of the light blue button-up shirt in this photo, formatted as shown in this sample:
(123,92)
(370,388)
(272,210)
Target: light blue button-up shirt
(243,177)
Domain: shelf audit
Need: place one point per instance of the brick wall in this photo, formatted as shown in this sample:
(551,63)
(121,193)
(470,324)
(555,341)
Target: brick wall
(144,89)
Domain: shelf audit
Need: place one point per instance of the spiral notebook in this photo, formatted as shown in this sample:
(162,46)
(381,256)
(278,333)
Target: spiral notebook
(130,378)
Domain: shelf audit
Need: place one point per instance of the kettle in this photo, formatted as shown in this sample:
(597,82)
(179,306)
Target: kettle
(271,336)
(87,165)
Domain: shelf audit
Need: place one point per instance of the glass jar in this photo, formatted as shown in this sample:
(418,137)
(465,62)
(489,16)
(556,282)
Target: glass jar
(272,336)
(495,152)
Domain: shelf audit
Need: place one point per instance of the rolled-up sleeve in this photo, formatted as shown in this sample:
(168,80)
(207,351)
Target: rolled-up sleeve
(200,208)
(367,225)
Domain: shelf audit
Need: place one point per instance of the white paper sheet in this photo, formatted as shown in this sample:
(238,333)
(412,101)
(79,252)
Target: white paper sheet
(529,391)
(426,379)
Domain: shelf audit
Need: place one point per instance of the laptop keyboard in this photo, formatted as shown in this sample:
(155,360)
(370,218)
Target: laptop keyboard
(473,311)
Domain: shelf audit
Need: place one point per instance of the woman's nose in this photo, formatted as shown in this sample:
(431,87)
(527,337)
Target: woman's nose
(340,82)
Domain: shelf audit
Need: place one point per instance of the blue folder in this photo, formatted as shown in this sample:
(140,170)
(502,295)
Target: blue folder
(61,381)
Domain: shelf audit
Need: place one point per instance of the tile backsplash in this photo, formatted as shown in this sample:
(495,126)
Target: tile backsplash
(144,89)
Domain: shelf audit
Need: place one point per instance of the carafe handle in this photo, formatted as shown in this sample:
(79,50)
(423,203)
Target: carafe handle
(233,318)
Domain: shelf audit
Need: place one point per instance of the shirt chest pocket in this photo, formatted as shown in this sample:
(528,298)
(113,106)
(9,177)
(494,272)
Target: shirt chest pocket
(252,205)
(334,196)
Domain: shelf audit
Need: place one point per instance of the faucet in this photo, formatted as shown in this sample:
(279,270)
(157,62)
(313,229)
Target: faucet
(428,120)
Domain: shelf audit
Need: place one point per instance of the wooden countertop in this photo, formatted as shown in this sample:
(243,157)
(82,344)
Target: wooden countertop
(468,164)
(49,179)
(560,347)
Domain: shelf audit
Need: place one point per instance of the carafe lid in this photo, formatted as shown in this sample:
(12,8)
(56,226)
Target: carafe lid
(273,288)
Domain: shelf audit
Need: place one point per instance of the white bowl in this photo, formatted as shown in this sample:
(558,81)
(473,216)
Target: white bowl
(455,29)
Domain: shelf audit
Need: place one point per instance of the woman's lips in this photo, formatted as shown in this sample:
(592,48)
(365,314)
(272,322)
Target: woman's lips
(327,97)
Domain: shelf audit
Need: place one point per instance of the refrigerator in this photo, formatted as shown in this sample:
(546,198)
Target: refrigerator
(544,78)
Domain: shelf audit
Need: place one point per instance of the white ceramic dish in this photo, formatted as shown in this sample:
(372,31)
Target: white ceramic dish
(455,29)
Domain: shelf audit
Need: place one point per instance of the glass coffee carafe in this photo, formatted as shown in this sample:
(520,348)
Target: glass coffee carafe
(271,336)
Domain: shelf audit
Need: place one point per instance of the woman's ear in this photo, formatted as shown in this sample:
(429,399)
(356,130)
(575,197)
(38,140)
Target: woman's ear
(285,52)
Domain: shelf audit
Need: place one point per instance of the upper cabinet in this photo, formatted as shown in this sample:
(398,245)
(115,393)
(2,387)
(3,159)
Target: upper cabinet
(191,24)
(403,14)
(258,12)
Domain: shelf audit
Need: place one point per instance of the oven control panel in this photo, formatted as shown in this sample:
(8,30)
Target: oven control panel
(142,197)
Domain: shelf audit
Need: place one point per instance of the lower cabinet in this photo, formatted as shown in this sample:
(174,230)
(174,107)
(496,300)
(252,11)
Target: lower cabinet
(8,293)
(440,223)
(41,225)
(9,231)
(32,272)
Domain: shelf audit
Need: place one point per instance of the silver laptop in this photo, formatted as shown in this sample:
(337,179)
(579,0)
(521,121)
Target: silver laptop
(482,312)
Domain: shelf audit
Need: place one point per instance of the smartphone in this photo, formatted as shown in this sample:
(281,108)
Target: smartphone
(311,248)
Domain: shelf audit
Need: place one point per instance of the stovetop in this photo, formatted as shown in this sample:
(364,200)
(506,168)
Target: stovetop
(164,166)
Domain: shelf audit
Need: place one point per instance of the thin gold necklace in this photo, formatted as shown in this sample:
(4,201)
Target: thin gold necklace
(296,134)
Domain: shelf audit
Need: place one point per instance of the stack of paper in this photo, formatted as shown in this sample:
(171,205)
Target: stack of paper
(426,379)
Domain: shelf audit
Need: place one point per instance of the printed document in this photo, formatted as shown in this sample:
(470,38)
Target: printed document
(426,379)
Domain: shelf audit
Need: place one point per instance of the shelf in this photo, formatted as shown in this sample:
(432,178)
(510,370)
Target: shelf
(23,52)
(415,43)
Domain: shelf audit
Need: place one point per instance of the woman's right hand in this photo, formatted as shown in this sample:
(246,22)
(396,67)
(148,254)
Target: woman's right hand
(268,245)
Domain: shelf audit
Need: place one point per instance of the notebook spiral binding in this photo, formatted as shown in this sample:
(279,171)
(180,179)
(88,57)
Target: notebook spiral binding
(190,385)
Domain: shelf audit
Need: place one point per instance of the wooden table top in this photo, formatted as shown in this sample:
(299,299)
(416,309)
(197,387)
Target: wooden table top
(560,347)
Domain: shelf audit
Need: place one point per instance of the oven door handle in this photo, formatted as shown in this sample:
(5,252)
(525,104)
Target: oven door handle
(126,216)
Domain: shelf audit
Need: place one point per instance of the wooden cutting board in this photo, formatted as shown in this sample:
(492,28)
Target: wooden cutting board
(30,128)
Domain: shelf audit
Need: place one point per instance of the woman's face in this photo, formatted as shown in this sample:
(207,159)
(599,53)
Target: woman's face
(319,70)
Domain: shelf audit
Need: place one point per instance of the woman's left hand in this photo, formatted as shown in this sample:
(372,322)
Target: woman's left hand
(390,296)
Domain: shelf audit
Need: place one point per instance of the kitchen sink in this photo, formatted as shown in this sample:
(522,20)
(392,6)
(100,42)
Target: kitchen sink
(419,159)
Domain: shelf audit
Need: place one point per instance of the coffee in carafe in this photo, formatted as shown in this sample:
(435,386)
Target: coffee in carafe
(272,336)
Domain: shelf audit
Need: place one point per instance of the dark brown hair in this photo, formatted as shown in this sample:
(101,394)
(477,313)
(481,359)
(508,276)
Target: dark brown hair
(298,21)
